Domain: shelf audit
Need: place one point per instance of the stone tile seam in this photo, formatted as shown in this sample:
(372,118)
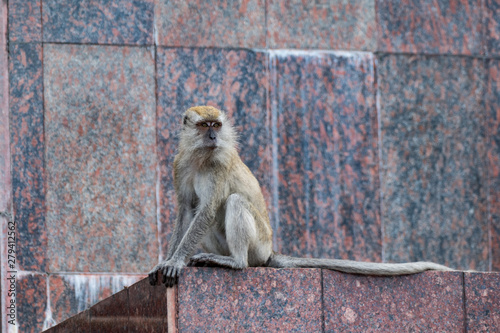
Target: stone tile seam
(323,324)
(304,52)
(464,302)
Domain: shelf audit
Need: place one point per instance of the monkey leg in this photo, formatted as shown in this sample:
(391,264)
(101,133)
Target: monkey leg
(241,233)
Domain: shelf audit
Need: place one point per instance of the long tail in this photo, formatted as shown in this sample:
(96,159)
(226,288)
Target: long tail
(356,267)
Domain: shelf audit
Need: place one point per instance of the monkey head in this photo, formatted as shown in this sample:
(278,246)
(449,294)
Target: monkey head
(207,128)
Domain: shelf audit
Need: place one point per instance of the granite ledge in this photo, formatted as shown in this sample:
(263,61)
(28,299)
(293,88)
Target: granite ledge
(272,298)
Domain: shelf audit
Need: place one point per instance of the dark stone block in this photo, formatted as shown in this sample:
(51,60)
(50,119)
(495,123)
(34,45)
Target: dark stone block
(148,307)
(98,21)
(433,151)
(492,27)
(111,314)
(325,120)
(27,148)
(31,301)
(429,26)
(25,21)
(425,302)
(482,300)
(492,102)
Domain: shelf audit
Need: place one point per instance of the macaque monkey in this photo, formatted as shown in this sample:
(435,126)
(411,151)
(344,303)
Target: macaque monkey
(221,208)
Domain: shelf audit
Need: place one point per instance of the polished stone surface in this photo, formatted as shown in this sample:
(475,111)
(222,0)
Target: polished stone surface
(482,295)
(27,149)
(253,300)
(491,14)
(98,21)
(492,103)
(31,301)
(327,158)
(148,307)
(212,23)
(425,302)
(430,26)
(433,160)
(25,21)
(100,158)
(326,25)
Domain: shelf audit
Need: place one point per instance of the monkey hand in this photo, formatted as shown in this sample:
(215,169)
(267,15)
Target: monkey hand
(169,269)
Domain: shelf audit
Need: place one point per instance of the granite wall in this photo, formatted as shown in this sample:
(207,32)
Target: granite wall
(372,126)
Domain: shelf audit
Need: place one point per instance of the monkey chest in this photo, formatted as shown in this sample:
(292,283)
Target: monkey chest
(206,187)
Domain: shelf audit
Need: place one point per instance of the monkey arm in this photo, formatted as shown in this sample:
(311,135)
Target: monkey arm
(184,217)
(171,267)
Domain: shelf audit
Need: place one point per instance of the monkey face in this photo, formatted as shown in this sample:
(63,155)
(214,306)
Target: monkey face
(209,130)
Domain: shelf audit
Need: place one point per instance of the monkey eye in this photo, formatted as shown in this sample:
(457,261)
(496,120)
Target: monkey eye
(216,125)
(204,125)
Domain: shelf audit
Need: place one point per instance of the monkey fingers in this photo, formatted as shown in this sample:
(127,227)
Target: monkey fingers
(153,277)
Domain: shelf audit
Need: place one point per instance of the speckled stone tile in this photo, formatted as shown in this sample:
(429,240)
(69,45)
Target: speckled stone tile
(482,301)
(425,302)
(330,25)
(326,129)
(27,148)
(31,301)
(101,158)
(79,323)
(74,293)
(98,21)
(5,164)
(252,300)
(492,102)
(429,26)
(148,307)
(111,314)
(492,27)
(25,21)
(215,23)
(433,151)
(233,80)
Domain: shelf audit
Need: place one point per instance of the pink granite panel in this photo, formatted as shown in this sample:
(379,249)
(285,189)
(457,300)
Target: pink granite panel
(31,301)
(430,26)
(72,293)
(233,80)
(25,21)
(148,307)
(98,21)
(493,147)
(482,301)
(218,23)
(331,25)
(434,160)
(111,314)
(101,158)
(252,300)
(27,148)
(492,27)
(326,129)
(425,302)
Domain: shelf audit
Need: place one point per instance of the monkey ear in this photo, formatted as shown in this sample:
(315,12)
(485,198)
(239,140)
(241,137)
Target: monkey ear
(185,120)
